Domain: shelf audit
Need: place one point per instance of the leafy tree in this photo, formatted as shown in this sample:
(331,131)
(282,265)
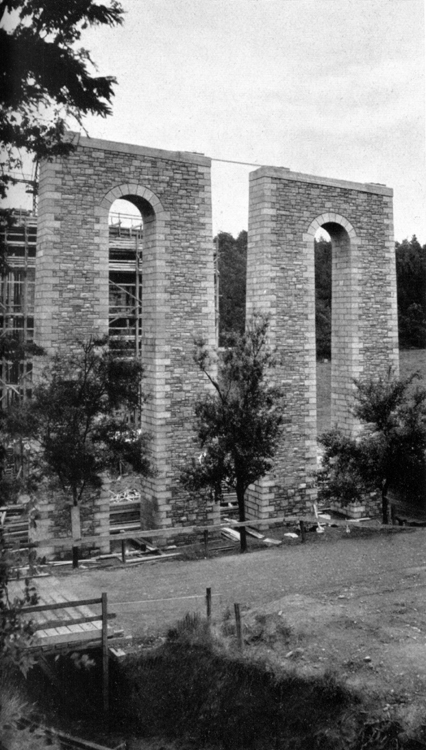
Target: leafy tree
(239,423)
(45,81)
(77,418)
(389,453)
(45,78)
(15,632)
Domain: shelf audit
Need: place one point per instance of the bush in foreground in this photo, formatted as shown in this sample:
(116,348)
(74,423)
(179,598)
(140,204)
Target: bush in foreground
(193,689)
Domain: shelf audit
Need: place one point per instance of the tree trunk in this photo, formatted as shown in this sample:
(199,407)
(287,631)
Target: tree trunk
(385,503)
(75,530)
(242,517)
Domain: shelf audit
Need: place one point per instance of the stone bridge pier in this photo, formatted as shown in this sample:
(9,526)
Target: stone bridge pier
(286,210)
(172,191)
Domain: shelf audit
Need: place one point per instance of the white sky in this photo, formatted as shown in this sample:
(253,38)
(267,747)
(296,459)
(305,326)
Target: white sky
(329,87)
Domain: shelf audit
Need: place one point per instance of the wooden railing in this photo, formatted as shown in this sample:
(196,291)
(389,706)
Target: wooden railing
(173,531)
(104,617)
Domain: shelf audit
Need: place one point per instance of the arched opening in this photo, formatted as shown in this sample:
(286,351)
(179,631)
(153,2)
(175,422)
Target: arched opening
(323,301)
(125,252)
(337,321)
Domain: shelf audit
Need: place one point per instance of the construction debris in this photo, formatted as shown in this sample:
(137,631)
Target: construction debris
(234,533)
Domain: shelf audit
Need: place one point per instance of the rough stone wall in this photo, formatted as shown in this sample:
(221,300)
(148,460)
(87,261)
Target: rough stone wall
(286,209)
(173,192)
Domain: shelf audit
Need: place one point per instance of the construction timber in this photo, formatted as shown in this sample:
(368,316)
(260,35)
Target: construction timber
(17,294)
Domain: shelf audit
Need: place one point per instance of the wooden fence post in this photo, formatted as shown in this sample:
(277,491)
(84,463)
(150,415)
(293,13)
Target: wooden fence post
(302,531)
(105,665)
(123,550)
(238,626)
(209,603)
(76,532)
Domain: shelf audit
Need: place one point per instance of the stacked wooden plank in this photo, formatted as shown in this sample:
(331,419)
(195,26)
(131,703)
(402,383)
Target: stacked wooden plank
(125,515)
(14,520)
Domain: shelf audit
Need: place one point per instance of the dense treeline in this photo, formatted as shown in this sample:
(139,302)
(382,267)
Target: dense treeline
(411,281)
(232,268)
(323,297)
(411,278)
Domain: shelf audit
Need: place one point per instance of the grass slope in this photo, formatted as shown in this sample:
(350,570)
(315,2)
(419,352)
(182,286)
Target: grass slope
(197,689)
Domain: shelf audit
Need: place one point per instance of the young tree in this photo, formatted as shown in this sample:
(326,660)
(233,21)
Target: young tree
(77,419)
(390,452)
(239,423)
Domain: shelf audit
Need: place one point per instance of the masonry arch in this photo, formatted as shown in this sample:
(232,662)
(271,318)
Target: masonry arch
(148,203)
(155,219)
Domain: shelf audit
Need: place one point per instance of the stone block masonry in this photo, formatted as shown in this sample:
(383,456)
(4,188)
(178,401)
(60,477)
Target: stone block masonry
(172,190)
(286,210)
(173,193)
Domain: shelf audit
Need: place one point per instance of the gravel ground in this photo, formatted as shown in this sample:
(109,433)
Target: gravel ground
(151,596)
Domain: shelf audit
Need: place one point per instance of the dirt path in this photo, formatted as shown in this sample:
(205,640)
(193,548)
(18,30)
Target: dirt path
(148,596)
(350,604)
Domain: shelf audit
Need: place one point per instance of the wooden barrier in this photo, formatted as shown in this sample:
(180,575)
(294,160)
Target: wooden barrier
(66,625)
(68,542)
(238,626)
(209,603)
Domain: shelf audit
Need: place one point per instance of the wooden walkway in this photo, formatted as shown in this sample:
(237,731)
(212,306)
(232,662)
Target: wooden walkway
(64,623)
(60,619)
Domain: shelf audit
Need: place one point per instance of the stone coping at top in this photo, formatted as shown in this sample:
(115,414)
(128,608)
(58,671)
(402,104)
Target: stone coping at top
(286,174)
(128,148)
